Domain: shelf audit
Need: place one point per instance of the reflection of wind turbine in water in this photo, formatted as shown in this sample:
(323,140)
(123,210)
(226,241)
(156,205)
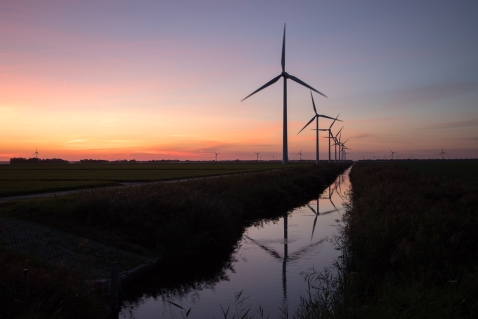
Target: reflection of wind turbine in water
(286,76)
(317,212)
(285,256)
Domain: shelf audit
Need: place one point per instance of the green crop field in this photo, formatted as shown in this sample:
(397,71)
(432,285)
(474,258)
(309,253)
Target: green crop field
(467,171)
(29,179)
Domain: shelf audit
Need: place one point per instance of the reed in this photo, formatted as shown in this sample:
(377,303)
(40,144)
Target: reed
(49,292)
(410,248)
(183,219)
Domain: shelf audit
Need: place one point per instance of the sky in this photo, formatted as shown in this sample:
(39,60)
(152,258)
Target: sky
(159,80)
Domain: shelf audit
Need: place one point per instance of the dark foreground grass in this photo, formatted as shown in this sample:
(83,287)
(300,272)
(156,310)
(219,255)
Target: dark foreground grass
(30,179)
(52,292)
(181,222)
(179,219)
(410,249)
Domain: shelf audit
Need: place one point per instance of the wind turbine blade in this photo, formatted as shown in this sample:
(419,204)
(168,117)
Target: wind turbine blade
(293,78)
(313,103)
(339,131)
(327,117)
(312,209)
(328,212)
(307,124)
(283,52)
(274,80)
(271,251)
(330,127)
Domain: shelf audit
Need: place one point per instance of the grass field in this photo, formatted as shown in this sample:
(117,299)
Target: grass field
(30,179)
(450,170)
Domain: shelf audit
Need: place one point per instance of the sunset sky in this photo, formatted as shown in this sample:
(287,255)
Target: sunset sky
(164,79)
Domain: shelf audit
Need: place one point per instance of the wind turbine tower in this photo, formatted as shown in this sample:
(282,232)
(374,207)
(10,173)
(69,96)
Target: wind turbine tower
(216,155)
(286,76)
(36,153)
(257,156)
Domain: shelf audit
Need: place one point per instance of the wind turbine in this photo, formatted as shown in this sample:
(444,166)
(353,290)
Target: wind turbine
(36,153)
(257,155)
(330,132)
(286,76)
(336,142)
(300,155)
(442,152)
(392,153)
(316,118)
(216,155)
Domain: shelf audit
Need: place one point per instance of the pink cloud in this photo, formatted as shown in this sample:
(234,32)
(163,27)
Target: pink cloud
(452,124)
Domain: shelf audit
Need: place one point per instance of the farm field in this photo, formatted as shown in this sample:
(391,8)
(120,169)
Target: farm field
(30,179)
(450,170)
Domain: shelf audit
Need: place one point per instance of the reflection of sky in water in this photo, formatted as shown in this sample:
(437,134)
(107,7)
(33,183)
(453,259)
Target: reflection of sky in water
(260,267)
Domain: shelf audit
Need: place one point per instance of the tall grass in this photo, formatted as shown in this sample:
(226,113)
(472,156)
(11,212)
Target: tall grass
(52,292)
(183,219)
(410,248)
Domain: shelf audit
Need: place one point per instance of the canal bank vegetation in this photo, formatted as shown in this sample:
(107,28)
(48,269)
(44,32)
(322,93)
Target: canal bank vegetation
(178,221)
(410,244)
(32,289)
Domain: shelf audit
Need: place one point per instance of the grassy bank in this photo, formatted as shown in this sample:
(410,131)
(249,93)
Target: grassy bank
(410,248)
(52,292)
(178,221)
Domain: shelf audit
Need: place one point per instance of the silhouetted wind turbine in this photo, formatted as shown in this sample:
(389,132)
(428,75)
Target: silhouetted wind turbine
(216,155)
(336,142)
(316,118)
(392,153)
(286,76)
(330,132)
(257,155)
(442,152)
(300,155)
(36,153)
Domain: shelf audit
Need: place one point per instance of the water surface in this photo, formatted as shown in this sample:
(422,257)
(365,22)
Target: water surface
(267,267)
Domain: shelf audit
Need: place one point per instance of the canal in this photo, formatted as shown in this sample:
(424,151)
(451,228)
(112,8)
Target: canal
(266,269)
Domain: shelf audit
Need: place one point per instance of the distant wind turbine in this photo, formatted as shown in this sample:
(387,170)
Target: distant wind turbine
(300,155)
(257,155)
(316,118)
(392,153)
(336,143)
(442,153)
(36,153)
(286,76)
(331,136)
(216,155)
